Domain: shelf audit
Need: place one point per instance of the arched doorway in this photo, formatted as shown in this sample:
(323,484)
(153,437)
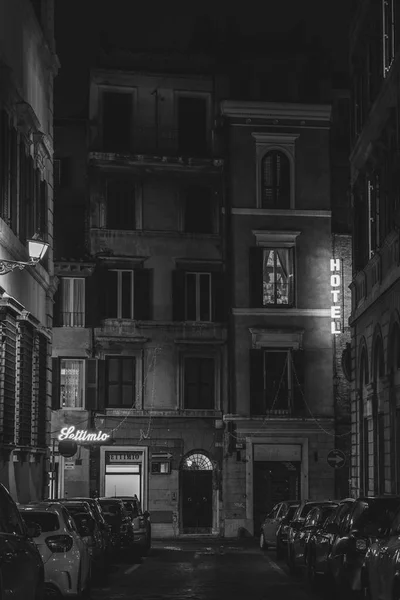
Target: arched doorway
(196,475)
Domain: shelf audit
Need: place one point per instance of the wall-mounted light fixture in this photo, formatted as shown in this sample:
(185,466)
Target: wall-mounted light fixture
(37,248)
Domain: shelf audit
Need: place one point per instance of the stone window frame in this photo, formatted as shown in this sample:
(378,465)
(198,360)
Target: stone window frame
(282,142)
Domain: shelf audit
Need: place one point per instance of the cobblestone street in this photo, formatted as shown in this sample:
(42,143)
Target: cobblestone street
(203,570)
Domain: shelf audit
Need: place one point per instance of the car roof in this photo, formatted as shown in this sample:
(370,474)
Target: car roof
(41,506)
(113,499)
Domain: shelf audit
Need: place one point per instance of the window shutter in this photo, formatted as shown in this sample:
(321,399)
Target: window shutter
(256,277)
(55,394)
(101,376)
(92,300)
(143,301)
(298,380)
(57,306)
(178,295)
(257,403)
(218,297)
(107,292)
(91,385)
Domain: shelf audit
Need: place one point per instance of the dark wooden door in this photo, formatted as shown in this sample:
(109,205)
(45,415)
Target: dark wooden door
(273,482)
(196,490)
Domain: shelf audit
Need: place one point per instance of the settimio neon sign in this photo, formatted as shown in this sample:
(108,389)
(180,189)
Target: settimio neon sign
(82,435)
(336,309)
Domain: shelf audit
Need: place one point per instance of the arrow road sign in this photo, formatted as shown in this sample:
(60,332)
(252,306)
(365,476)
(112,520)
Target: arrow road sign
(336,459)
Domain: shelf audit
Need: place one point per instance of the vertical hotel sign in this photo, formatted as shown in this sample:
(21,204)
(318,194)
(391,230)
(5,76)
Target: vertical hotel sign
(336,288)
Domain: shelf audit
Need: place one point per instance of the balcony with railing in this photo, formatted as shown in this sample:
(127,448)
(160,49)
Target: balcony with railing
(165,146)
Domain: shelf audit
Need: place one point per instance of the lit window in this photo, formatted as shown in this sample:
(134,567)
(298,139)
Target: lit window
(72,383)
(198,299)
(278,278)
(73,302)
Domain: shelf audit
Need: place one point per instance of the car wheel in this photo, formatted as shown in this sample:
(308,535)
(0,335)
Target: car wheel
(263,543)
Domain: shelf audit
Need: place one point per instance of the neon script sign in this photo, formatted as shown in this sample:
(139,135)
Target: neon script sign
(81,435)
(336,309)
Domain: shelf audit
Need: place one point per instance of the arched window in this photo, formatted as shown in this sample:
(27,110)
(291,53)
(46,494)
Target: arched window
(196,462)
(275,182)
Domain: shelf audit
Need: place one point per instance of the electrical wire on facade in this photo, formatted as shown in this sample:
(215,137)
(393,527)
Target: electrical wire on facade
(144,435)
(268,417)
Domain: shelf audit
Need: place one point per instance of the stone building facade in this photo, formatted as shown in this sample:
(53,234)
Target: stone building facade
(28,65)
(140,344)
(375,344)
(281,416)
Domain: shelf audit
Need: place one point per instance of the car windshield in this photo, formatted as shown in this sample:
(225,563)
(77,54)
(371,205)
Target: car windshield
(376,514)
(46,521)
(111,510)
(290,513)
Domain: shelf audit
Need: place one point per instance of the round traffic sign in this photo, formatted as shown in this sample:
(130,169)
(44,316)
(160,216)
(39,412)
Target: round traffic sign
(336,459)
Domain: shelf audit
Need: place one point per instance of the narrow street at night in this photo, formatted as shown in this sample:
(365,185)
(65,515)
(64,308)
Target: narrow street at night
(203,570)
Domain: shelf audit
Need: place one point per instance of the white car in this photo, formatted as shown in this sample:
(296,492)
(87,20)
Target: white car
(66,558)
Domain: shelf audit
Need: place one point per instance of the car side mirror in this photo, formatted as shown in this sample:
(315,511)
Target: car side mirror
(146,514)
(33,530)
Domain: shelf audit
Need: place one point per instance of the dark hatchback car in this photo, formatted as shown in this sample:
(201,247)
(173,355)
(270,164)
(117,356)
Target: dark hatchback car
(282,531)
(321,541)
(294,529)
(122,533)
(21,566)
(368,518)
(96,543)
(141,523)
(299,546)
(99,516)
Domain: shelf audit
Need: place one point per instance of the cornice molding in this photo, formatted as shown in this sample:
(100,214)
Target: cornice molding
(285,312)
(264,138)
(268,237)
(269,212)
(271,110)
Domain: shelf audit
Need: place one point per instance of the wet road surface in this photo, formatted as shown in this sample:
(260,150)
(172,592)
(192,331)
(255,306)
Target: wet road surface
(203,570)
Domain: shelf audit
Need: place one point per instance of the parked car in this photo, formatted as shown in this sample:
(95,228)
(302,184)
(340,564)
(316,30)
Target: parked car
(271,523)
(368,518)
(98,515)
(295,541)
(94,538)
(21,566)
(321,540)
(315,518)
(282,531)
(122,533)
(67,569)
(141,523)
(381,570)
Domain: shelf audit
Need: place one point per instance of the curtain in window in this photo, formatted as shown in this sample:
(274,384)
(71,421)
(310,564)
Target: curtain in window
(277,276)
(71,383)
(79,302)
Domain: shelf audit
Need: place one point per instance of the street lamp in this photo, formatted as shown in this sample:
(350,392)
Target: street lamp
(36,248)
